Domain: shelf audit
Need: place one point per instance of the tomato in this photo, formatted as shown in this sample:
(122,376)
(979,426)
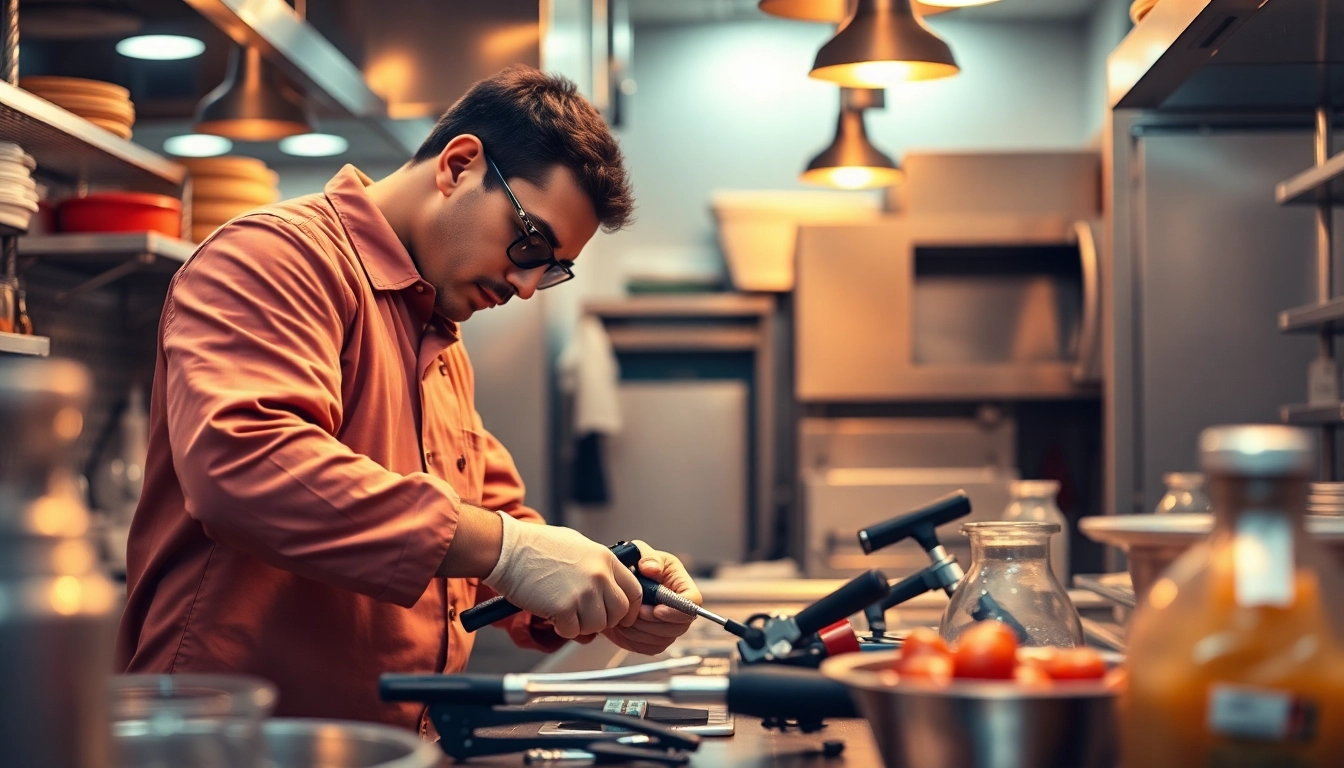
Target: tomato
(926,667)
(1029,676)
(1076,664)
(923,640)
(987,651)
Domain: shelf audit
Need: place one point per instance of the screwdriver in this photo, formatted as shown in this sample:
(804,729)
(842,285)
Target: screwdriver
(657,594)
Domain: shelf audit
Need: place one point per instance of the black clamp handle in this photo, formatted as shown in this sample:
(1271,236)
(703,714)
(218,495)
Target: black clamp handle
(918,524)
(497,608)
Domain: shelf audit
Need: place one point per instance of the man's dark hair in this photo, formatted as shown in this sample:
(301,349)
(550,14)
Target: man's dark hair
(529,122)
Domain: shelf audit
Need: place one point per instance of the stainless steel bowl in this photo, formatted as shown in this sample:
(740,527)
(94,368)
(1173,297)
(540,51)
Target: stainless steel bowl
(296,743)
(970,724)
(286,743)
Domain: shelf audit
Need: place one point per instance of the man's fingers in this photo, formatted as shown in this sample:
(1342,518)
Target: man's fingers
(629,585)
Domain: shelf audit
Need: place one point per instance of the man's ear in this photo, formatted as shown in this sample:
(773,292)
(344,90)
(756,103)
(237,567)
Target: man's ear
(461,160)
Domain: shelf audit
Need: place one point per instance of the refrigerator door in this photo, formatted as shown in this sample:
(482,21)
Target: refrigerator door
(1211,262)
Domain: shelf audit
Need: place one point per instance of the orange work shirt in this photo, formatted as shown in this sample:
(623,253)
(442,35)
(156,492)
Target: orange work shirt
(313,436)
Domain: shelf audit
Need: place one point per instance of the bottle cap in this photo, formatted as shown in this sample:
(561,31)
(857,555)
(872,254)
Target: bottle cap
(1257,450)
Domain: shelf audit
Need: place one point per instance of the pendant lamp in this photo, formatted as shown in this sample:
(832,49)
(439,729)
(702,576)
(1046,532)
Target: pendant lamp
(883,44)
(834,11)
(254,103)
(851,161)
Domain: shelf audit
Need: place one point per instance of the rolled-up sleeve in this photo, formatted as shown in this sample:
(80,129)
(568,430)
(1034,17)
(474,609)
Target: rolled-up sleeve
(253,337)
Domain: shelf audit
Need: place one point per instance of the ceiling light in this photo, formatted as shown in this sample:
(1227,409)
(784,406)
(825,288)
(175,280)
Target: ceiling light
(197,145)
(254,103)
(314,145)
(835,11)
(851,161)
(883,44)
(160,47)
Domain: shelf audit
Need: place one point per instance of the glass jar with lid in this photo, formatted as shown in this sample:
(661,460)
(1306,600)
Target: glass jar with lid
(1010,580)
(1034,502)
(1185,494)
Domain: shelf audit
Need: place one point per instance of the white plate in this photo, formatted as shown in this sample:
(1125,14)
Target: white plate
(1124,531)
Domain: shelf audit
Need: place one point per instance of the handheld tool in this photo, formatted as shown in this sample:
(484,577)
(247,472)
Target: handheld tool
(497,608)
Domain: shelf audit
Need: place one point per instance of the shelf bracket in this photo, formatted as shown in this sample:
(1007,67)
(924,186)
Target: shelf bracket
(128,267)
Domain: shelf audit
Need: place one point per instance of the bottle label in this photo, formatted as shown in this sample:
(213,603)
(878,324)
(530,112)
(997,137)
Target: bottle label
(1260,713)
(1263,560)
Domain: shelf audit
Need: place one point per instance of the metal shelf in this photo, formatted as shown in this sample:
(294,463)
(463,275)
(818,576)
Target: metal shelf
(1327,413)
(109,256)
(1313,318)
(19,344)
(1302,188)
(71,147)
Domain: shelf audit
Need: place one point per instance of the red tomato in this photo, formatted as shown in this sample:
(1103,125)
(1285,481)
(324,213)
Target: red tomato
(1029,676)
(1076,664)
(923,640)
(926,667)
(987,651)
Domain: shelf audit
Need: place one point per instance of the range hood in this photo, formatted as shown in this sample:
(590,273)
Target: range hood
(1231,56)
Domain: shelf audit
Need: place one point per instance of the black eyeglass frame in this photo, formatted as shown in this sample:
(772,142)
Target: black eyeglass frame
(556,272)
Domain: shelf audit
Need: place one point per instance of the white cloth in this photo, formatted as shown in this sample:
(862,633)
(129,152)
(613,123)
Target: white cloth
(588,370)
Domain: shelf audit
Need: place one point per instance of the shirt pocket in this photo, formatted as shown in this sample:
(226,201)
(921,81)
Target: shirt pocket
(468,466)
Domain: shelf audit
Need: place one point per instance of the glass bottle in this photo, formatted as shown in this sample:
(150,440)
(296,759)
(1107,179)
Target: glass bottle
(58,612)
(1235,654)
(1034,502)
(1010,580)
(1185,494)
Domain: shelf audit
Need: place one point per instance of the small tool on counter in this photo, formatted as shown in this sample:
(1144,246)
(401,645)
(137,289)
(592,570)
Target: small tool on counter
(819,630)
(459,704)
(497,608)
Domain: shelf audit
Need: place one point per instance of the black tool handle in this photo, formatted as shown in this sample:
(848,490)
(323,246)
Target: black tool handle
(918,523)
(497,608)
(861,591)
(912,586)
(454,689)
(787,692)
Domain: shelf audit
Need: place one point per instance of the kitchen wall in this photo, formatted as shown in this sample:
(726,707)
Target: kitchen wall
(730,105)
(1106,27)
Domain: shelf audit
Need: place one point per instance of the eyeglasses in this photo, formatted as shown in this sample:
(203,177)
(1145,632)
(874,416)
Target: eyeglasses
(532,250)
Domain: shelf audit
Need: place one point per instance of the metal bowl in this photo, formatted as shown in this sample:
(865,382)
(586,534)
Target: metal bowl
(972,724)
(296,743)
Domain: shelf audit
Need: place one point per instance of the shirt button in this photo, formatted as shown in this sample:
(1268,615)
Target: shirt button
(419,288)
(429,457)
(443,369)
(452,615)
(461,463)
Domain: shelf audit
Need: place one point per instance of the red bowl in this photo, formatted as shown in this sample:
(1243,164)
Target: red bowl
(122,212)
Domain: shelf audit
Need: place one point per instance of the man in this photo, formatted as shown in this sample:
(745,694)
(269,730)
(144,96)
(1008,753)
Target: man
(321,498)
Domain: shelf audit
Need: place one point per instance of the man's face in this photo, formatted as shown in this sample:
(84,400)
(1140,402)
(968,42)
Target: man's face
(461,240)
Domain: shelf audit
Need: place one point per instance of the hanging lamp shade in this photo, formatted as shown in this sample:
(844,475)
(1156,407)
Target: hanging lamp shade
(833,11)
(253,103)
(851,161)
(883,44)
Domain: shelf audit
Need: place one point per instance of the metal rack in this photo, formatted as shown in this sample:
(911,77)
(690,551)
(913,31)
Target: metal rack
(109,257)
(1317,186)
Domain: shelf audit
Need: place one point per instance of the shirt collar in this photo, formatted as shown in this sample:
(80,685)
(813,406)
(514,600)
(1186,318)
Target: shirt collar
(384,257)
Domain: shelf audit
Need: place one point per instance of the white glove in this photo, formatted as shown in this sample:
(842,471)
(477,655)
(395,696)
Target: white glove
(560,574)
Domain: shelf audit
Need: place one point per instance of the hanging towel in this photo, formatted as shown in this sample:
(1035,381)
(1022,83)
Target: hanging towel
(589,371)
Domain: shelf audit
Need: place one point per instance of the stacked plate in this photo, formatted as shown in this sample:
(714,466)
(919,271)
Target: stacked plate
(106,105)
(18,193)
(225,187)
(1326,499)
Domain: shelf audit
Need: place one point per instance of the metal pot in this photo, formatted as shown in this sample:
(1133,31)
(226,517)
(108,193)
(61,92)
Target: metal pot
(978,724)
(296,743)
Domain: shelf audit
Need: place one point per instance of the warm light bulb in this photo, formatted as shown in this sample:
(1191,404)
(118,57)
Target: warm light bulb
(882,74)
(853,177)
(197,145)
(314,145)
(160,47)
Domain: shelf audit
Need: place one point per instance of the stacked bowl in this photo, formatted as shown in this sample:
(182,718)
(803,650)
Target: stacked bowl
(225,187)
(18,192)
(106,105)
(1326,499)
